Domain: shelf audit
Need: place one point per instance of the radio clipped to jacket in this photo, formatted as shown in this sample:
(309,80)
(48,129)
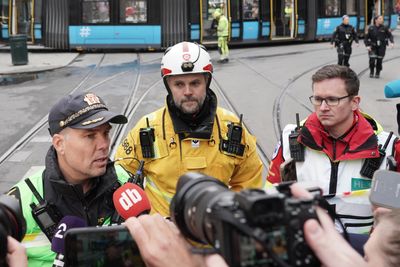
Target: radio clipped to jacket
(371,165)
(45,214)
(147,139)
(296,149)
(232,144)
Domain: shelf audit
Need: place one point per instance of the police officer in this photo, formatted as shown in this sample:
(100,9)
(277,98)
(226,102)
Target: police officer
(376,40)
(78,179)
(223,34)
(190,133)
(342,38)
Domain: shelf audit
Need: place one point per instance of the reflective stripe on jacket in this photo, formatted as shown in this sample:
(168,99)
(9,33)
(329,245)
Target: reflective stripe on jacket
(37,245)
(175,156)
(317,170)
(223,27)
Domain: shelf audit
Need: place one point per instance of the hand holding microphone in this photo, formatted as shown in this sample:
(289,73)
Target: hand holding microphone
(57,243)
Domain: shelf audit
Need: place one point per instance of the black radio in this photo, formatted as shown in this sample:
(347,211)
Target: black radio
(371,165)
(147,139)
(232,144)
(45,214)
(296,149)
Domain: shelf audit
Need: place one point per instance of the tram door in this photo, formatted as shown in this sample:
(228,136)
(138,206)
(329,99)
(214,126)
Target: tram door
(22,18)
(209,24)
(373,9)
(283,19)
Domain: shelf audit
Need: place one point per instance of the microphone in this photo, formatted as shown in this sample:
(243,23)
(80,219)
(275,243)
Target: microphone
(131,201)
(57,243)
(392,89)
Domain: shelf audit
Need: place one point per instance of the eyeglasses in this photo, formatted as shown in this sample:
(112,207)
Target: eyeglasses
(330,101)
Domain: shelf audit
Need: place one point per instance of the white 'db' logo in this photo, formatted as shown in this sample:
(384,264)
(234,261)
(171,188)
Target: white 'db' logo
(129,197)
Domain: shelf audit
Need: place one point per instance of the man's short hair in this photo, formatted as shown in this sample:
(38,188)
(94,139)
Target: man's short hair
(350,78)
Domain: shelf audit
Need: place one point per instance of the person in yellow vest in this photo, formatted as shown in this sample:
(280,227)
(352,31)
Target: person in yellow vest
(223,34)
(79,179)
(190,133)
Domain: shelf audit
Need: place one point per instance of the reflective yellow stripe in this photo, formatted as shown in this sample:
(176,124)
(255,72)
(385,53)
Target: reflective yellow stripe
(268,185)
(35,240)
(152,186)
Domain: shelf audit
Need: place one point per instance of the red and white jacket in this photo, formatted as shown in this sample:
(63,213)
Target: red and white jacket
(334,165)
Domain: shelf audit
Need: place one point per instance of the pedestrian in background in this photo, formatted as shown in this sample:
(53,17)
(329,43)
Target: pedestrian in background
(223,34)
(376,40)
(342,39)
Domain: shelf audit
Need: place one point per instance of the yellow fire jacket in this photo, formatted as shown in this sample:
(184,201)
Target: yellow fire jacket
(175,156)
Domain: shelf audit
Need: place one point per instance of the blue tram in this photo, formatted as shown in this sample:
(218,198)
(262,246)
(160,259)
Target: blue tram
(157,24)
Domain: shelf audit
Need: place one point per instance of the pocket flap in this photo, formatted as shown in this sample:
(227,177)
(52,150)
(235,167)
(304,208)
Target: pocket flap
(193,163)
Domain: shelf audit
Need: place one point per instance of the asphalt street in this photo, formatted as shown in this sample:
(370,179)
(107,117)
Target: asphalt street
(268,85)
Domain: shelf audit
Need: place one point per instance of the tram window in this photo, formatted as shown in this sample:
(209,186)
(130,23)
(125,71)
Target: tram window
(396,6)
(194,12)
(362,8)
(250,9)
(133,11)
(4,12)
(38,11)
(387,8)
(214,5)
(95,11)
(331,8)
(351,8)
(235,10)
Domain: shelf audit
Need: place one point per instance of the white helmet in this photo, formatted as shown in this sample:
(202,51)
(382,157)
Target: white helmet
(186,58)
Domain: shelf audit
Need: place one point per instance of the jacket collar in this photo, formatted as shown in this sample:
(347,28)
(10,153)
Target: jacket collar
(359,141)
(200,126)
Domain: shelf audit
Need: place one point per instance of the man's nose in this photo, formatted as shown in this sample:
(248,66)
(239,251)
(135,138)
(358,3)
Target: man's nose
(103,142)
(324,105)
(187,90)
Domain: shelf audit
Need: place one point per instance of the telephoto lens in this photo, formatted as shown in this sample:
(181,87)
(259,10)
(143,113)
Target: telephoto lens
(12,223)
(248,228)
(195,194)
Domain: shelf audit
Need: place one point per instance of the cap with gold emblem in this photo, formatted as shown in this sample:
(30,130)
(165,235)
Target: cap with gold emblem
(81,111)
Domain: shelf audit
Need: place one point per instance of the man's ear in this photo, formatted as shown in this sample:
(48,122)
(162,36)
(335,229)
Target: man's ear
(356,102)
(59,143)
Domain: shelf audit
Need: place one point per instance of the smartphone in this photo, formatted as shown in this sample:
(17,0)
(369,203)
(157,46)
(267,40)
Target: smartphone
(385,189)
(107,246)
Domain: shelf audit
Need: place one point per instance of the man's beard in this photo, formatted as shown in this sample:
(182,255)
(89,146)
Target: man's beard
(192,110)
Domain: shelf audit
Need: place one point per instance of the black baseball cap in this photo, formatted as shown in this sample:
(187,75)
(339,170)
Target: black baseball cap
(81,111)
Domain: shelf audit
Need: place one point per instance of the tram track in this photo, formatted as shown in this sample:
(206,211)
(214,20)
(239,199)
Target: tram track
(278,127)
(278,102)
(130,108)
(84,83)
(263,156)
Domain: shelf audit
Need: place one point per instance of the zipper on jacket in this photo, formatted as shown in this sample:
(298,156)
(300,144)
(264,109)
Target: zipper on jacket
(84,205)
(334,149)
(333,178)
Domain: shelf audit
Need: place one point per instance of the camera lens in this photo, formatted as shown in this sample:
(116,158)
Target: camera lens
(12,223)
(195,196)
